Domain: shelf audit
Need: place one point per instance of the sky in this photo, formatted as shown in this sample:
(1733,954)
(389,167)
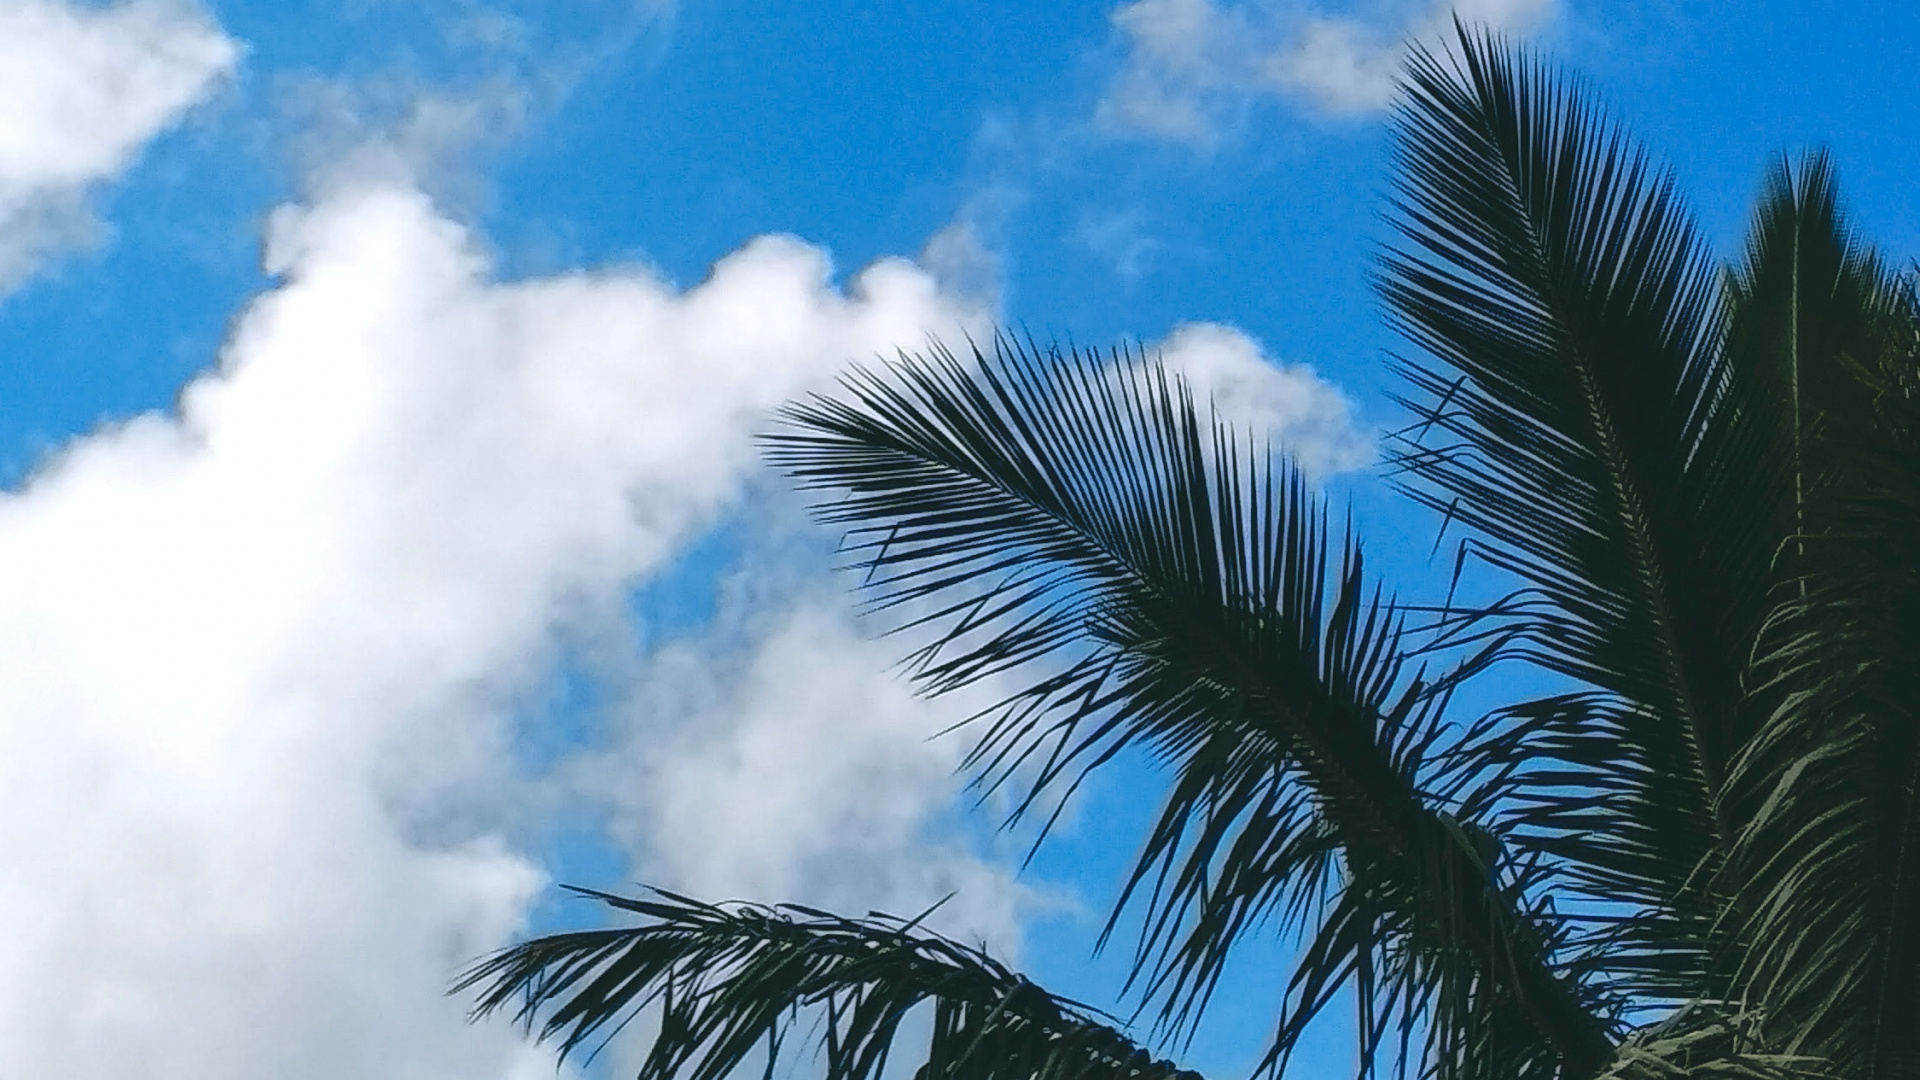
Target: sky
(384,541)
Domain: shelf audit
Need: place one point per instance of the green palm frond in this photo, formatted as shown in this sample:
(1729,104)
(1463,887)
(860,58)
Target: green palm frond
(1576,415)
(1072,517)
(1825,875)
(1811,310)
(728,986)
(1702,1041)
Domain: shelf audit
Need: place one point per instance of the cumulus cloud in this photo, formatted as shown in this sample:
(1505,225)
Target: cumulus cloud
(1343,65)
(959,259)
(1122,239)
(82,89)
(780,756)
(394,127)
(792,761)
(257,648)
(1301,413)
(1190,63)
(431,106)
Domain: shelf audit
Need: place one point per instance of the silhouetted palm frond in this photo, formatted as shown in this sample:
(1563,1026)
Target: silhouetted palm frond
(727,986)
(1577,415)
(1071,517)
(1825,876)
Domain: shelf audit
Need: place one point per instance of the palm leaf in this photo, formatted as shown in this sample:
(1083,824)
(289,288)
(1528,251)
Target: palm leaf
(728,985)
(1072,518)
(1809,306)
(1825,875)
(1576,414)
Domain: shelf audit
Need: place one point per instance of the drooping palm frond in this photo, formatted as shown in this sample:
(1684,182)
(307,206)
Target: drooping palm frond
(1824,879)
(729,986)
(1574,411)
(1071,517)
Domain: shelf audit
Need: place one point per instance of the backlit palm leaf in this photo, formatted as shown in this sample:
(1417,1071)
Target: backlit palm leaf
(726,986)
(1577,416)
(1825,879)
(1157,586)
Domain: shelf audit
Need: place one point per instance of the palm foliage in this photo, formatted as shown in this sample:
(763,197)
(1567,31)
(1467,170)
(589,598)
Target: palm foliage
(1699,854)
(725,980)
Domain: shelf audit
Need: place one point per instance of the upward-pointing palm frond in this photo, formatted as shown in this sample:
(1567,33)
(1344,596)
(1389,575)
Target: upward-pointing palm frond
(1073,518)
(1577,416)
(1811,312)
(1825,876)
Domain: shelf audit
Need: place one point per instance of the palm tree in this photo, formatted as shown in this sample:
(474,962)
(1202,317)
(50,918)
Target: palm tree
(1695,852)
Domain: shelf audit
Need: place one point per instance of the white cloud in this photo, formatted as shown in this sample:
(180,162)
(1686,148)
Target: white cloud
(1190,63)
(1300,412)
(779,756)
(395,128)
(1122,239)
(963,265)
(1179,54)
(82,89)
(1347,66)
(794,763)
(1344,65)
(967,255)
(261,651)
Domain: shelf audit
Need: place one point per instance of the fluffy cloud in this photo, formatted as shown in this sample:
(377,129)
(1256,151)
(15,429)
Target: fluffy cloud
(966,269)
(1190,62)
(787,759)
(82,89)
(1303,414)
(261,651)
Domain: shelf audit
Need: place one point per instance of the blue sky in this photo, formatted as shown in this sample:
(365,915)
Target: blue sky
(453,572)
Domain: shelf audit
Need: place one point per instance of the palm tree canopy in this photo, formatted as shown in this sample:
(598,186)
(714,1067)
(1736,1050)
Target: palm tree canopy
(1699,854)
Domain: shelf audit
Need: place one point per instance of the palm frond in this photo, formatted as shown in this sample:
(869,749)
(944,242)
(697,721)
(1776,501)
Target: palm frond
(1072,517)
(1809,307)
(728,986)
(1825,874)
(1574,413)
